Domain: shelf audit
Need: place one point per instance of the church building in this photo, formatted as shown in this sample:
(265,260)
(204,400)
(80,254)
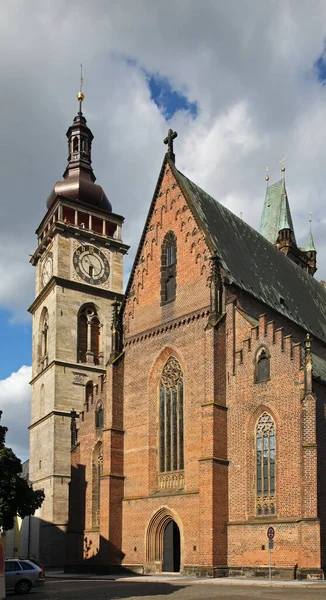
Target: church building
(175,425)
(210,426)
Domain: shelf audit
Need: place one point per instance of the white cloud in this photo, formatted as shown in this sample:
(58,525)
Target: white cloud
(249,69)
(15,404)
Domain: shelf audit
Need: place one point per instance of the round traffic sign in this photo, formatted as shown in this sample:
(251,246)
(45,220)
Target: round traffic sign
(270,533)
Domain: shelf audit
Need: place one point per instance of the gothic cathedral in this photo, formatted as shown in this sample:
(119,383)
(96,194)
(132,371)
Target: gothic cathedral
(174,425)
(79,273)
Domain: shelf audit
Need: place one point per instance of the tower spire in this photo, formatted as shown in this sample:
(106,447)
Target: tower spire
(80,95)
(310,247)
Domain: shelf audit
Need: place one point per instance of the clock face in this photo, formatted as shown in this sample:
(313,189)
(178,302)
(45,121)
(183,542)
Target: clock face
(47,270)
(91,264)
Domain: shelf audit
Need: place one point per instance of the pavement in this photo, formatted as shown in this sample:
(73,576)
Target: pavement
(183,579)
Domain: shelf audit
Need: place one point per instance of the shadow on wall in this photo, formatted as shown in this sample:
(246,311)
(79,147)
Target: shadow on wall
(91,552)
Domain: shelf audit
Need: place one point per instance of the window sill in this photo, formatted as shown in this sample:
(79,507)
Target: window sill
(263,380)
(164,302)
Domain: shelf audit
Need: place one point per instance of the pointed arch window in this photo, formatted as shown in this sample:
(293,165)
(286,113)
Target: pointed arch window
(171,451)
(99,416)
(44,329)
(89,395)
(97,467)
(262,367)
(168,268)
(265,465)
(89,329)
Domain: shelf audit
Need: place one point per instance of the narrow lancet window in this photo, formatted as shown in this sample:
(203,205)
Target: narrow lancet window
(168,268)
(265,465)
(171,417)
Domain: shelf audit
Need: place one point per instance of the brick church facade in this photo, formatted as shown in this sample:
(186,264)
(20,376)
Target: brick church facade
(209,424)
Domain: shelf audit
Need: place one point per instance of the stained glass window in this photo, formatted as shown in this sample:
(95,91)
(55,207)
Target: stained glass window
(265,465)
(171,417)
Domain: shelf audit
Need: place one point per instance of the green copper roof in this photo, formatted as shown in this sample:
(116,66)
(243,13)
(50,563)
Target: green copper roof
(255,265)
(276,212)
(310,247)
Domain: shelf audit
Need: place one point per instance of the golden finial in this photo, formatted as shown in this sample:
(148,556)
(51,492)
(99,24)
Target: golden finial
(267,174)
(80,95)
(282,162)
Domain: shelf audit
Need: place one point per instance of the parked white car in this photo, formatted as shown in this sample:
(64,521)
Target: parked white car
(21,575)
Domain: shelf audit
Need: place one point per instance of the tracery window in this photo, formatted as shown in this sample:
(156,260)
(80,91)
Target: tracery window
(171,452)
(168,268)
(262,368)
(89,328)
(265,465)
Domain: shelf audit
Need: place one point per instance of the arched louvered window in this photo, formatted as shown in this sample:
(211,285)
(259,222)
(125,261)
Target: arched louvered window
(89,328)
(75,144)
(265,465)
(171,417)
(262,367)
(168,268)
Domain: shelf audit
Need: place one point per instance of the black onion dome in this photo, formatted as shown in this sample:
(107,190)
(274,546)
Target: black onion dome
(78,182)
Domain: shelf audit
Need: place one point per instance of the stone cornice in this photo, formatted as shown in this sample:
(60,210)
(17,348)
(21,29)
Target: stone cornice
(73,285)
(53,413)
(62,363)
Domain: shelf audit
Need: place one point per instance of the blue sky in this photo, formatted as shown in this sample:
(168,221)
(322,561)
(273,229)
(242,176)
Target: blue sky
(169,100)
(18,346)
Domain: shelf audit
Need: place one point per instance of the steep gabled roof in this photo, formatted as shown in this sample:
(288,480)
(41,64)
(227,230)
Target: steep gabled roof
(253,264)
(276,212)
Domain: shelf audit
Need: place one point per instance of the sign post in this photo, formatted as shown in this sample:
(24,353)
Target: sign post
(270,535)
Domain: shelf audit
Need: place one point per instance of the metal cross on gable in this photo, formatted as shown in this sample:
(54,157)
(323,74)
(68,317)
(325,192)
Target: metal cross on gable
(169,141)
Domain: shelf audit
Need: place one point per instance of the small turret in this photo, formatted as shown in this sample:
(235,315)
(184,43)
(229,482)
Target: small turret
(311,251)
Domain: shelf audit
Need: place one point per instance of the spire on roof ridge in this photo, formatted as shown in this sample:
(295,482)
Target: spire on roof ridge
(282,162)
(310,247)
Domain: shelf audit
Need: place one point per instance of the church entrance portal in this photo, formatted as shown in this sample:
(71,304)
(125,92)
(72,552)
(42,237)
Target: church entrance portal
(171,548)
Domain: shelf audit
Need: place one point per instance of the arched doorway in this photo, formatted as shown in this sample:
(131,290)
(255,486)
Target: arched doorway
(171,548)
(163,542)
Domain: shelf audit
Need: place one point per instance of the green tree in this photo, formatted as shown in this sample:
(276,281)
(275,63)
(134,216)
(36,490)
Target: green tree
(17,496)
